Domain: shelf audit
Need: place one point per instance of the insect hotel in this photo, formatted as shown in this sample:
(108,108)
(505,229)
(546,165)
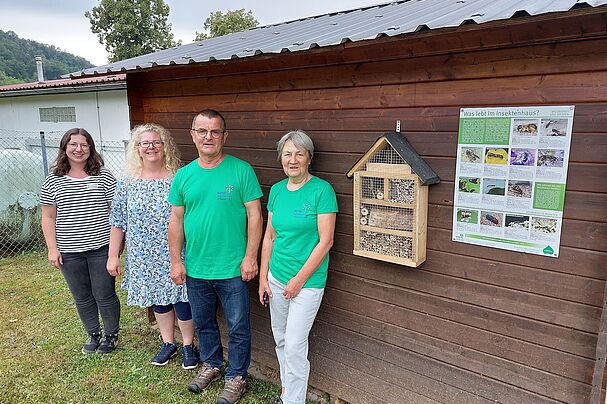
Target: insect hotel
(391,202)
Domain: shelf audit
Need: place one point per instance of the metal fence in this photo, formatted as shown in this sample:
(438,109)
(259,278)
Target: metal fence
(25,160)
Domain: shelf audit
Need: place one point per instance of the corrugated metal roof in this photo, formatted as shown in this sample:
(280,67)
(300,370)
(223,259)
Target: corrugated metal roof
(82,82)
(386,19)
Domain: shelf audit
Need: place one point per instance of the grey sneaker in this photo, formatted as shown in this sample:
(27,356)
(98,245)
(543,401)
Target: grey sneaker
(233,390)
(277,400)
(91,344)
(109,343)
(206,376)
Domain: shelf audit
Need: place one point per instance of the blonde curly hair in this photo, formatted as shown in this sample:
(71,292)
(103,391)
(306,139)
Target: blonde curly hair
(172,161)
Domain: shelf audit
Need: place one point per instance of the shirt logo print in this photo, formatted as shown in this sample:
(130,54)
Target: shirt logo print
(303,212)
(227,194)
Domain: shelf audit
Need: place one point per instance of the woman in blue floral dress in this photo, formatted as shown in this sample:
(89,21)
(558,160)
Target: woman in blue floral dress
(140,213)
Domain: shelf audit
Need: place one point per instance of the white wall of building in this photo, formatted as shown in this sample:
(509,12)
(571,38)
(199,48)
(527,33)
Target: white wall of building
(104,114)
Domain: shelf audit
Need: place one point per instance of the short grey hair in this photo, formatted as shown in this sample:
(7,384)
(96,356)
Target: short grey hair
(210,114)
(300,139)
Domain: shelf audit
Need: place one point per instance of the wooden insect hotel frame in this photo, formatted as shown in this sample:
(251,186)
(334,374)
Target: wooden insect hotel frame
(391,202)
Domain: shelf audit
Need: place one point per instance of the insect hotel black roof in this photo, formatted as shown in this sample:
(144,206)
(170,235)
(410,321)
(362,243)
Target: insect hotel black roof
(403,148)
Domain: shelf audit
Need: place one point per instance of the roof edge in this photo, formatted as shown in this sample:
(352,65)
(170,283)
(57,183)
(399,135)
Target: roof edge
(231,47)
(419,166)
(63,90)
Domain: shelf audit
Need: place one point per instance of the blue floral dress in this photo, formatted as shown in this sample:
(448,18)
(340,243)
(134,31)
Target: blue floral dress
(141,209)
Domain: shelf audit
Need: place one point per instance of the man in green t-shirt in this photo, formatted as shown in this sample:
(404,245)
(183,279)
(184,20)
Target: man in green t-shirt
(216,212)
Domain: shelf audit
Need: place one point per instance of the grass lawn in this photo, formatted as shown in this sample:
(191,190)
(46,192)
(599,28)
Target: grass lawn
(40,359)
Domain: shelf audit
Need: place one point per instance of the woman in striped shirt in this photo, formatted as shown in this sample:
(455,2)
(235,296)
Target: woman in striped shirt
(75,201)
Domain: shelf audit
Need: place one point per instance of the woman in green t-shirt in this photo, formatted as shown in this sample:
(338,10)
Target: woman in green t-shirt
(295,259)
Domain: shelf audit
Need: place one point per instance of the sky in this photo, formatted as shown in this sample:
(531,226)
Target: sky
(63,24)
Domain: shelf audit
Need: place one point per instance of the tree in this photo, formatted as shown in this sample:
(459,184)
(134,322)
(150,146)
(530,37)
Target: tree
(6,80)
(218,24)
(130,28)
(17,60)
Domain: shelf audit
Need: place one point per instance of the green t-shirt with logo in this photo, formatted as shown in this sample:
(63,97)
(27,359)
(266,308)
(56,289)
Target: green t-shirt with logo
(215,219)
(294,218)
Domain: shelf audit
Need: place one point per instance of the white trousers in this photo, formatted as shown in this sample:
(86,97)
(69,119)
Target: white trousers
(292,320)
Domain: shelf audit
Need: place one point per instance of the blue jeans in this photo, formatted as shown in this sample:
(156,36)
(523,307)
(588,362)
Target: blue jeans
(234,297)
(93,289)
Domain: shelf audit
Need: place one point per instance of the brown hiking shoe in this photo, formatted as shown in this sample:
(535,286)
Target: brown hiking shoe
(205,377)
(233,389)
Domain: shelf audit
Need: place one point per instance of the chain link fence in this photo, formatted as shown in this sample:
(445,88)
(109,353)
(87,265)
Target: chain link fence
(25,160)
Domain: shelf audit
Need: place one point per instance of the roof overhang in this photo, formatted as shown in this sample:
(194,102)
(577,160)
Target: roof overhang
(63,90)
(397,19)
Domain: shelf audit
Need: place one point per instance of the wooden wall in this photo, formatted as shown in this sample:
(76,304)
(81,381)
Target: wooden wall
(472,324)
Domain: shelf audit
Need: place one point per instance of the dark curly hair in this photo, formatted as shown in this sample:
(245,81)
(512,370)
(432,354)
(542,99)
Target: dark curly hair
(94,162)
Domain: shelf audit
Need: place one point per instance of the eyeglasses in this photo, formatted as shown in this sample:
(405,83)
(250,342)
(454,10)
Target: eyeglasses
(203,132)
(83,146)
(155,143)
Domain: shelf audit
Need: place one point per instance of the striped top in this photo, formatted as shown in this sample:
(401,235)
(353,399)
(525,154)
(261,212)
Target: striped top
(83,209)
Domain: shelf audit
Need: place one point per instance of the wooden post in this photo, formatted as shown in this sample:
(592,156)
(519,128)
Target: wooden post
(601,351)
(151,317)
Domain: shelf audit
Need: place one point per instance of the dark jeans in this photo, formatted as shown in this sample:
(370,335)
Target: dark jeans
(93,289)
(234,297)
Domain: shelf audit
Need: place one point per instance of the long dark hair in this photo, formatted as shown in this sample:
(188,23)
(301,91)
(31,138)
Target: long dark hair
(62,164)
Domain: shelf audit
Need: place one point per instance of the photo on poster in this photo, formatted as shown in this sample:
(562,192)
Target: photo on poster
(543,225)
(519,189)
(494,186)
(469,184)
(525,127)
(497,155)
(494,219)
(467,216)
(517,222)
(550,157)
(522,157)
(554,127)
(471,155)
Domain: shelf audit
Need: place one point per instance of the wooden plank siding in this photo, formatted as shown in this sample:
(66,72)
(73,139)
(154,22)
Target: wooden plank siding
(471,324)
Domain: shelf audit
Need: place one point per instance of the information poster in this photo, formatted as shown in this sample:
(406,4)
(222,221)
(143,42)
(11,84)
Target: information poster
(510,177)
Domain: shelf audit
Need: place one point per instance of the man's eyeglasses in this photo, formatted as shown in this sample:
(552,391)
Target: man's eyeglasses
(203,132)
(155,143)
